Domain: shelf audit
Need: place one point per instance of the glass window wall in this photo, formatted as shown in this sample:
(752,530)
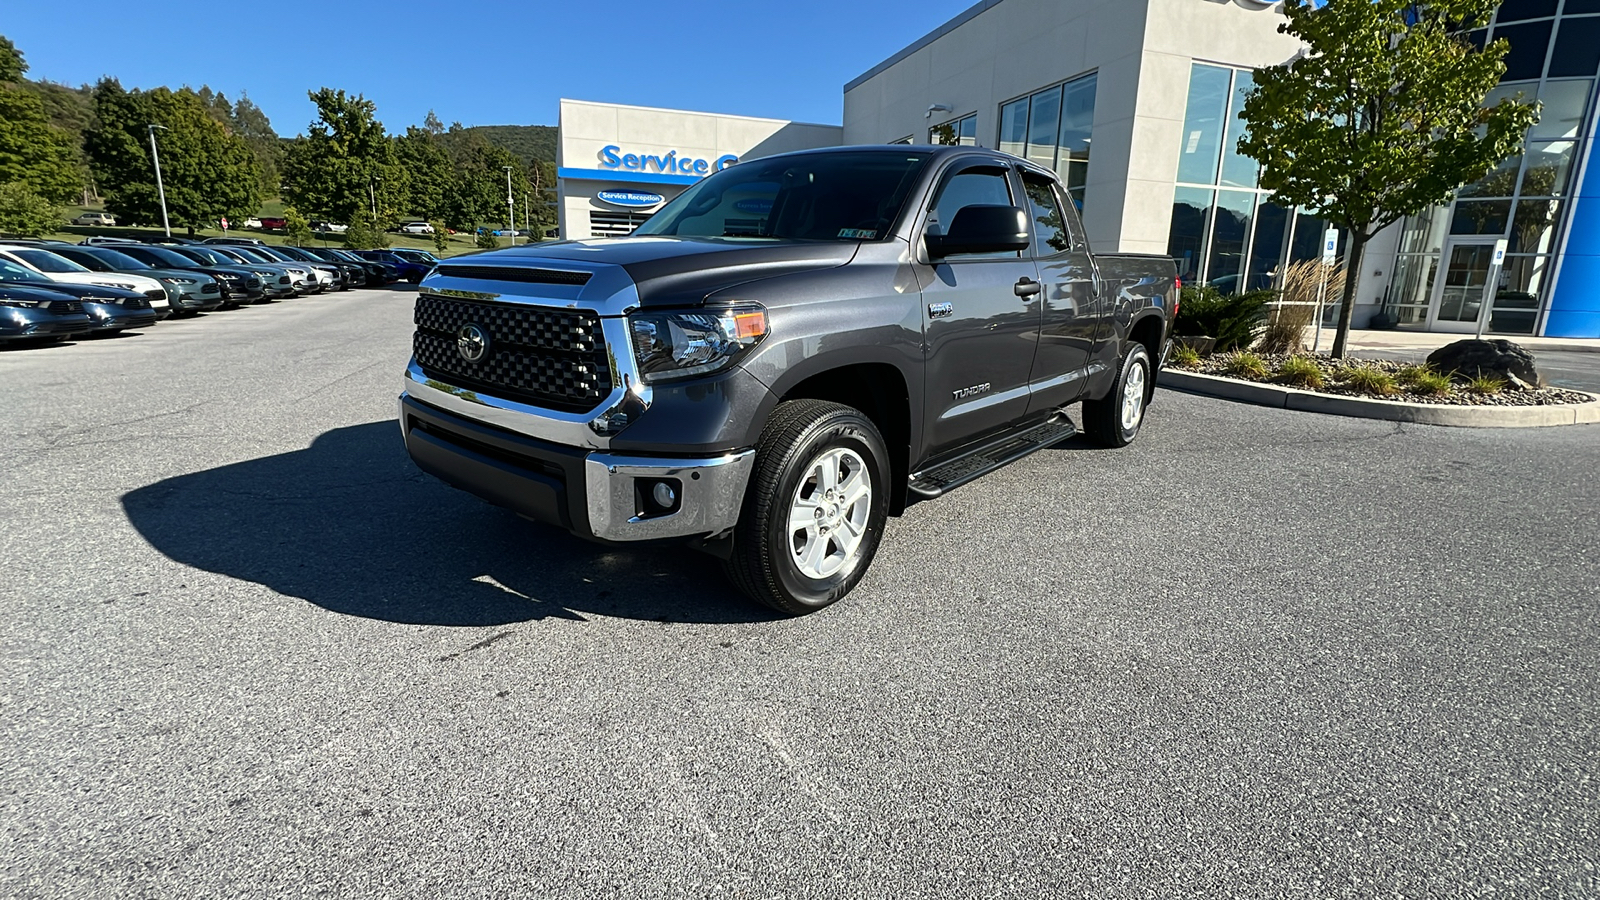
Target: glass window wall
(1054,128)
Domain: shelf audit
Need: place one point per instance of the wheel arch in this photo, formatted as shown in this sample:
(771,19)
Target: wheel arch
(881,391)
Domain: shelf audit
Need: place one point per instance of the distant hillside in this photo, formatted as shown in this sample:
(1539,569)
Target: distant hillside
(526,142)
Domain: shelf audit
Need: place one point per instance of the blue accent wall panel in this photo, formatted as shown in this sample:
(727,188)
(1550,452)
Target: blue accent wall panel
(1575,304)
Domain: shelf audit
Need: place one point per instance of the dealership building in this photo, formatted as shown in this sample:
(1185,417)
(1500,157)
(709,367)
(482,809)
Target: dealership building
(616,164)
(1135,103)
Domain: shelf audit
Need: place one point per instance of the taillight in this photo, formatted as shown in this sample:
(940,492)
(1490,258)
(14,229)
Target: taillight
(1177,295)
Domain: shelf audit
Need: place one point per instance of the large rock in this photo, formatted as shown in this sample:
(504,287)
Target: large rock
(1497,357)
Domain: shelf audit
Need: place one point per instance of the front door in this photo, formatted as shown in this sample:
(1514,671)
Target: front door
(1458,295)
(981,331)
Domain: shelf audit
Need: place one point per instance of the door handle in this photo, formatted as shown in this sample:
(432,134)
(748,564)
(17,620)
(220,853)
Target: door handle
(1027,287)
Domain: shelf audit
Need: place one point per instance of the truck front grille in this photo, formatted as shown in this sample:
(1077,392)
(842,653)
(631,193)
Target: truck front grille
(551,357)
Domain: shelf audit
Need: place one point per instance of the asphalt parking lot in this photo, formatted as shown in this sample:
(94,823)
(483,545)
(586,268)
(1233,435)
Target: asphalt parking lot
(249,650)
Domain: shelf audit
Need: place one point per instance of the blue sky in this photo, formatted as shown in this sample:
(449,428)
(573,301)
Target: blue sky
(481,63)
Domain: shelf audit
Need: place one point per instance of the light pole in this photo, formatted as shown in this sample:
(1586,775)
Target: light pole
(511,207)
(160,188)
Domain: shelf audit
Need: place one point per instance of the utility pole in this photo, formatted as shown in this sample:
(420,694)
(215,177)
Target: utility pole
(525,220)
(160,188)
(372,195)
(511,207)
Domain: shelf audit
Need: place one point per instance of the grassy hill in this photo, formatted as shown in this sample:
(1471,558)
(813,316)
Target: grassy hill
(526,142)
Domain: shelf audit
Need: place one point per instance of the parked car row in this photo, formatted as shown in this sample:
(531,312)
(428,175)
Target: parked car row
(52,290)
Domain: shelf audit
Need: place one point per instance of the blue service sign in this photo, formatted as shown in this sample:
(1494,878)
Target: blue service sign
(634,199)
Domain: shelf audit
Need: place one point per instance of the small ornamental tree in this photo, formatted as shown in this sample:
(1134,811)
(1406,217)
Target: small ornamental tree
(487,241)
(295,227)
(1381,117)
(441,237)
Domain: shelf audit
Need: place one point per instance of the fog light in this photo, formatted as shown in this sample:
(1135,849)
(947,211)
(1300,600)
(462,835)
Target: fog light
(664,496)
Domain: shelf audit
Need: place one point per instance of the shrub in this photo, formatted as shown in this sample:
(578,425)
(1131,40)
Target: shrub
(1425,381)
(1485,384)
(25,213)
(1300,372)
(1369,380)
(441,239)
(1185,356)
(363,235)
(1233,320)
(1245,364)
(487,241)
(1286,325)
(295,227)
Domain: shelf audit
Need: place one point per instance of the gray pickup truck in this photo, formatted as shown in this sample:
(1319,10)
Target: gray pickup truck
(787,353)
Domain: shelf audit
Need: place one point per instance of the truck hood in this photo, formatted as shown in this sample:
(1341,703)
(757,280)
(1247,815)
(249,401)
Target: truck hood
(664,271)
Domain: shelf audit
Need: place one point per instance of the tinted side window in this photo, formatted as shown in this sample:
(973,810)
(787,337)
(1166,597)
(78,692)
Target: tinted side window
(1050,233)
(971,187)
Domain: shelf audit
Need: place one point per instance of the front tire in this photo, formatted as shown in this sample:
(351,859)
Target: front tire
(1115,420)
(815,509)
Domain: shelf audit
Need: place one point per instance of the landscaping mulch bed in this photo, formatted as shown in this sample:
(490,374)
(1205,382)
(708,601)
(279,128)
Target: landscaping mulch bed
(1334,373)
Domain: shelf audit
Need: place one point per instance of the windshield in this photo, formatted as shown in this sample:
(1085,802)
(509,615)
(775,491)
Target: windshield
(168,258)
(243,253)
(10,271)
(206,255)
(115,260)
(45,261)
(271,253)
(844,196)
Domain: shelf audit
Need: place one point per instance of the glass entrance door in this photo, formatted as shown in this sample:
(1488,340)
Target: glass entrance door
(1458,295)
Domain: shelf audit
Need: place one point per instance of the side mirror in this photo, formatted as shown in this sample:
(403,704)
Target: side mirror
(981,229)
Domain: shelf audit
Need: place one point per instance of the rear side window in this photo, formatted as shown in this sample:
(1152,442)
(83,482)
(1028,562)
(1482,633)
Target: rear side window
(1050,232)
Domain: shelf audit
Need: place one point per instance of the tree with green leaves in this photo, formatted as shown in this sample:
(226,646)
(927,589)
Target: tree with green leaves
(24,212)
(12,65)
(345,164)
(441,238)
(1381,117)
(33,152)
(295,227)
(429,175)
(480,194)
(209,173)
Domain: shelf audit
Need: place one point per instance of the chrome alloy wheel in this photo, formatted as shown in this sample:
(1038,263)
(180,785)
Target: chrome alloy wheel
(829,514)
(1133,398)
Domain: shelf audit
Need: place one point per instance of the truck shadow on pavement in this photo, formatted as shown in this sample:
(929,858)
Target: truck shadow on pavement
(352,526)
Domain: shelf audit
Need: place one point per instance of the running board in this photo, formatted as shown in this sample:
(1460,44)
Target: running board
(951,475)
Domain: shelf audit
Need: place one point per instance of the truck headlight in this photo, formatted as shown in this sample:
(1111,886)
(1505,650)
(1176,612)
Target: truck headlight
(680,344)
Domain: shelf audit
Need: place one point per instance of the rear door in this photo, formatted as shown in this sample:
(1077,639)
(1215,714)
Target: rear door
(980,333)
(1067,272)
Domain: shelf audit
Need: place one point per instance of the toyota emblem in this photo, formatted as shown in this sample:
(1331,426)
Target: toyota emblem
(472,342)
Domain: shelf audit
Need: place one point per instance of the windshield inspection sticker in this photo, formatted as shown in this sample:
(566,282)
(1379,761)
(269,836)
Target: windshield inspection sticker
(863,234)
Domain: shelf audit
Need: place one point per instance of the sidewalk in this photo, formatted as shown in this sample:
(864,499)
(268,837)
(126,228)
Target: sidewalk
(1361,339)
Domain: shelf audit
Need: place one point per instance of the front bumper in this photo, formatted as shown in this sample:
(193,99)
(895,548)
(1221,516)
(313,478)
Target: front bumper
(22,324)
(194,301)
(596,495)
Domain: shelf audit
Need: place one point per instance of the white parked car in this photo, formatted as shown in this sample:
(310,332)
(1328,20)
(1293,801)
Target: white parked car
(58,268)
(253,222)
(94,218)
(415,228)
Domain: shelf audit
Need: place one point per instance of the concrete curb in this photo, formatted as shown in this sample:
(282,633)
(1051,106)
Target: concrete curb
(1389,410)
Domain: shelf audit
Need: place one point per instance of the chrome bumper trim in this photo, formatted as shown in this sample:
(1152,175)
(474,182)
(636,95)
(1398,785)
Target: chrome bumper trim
(711,498)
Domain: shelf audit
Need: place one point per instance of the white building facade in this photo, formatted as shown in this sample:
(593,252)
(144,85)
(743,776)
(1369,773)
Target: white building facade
(1135,103)
(617,164)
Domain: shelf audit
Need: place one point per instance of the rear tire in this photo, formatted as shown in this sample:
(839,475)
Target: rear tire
(1115,420)
(815,508)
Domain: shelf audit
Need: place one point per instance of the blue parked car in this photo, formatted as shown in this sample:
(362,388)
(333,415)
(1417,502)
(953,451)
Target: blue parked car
(409,269)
